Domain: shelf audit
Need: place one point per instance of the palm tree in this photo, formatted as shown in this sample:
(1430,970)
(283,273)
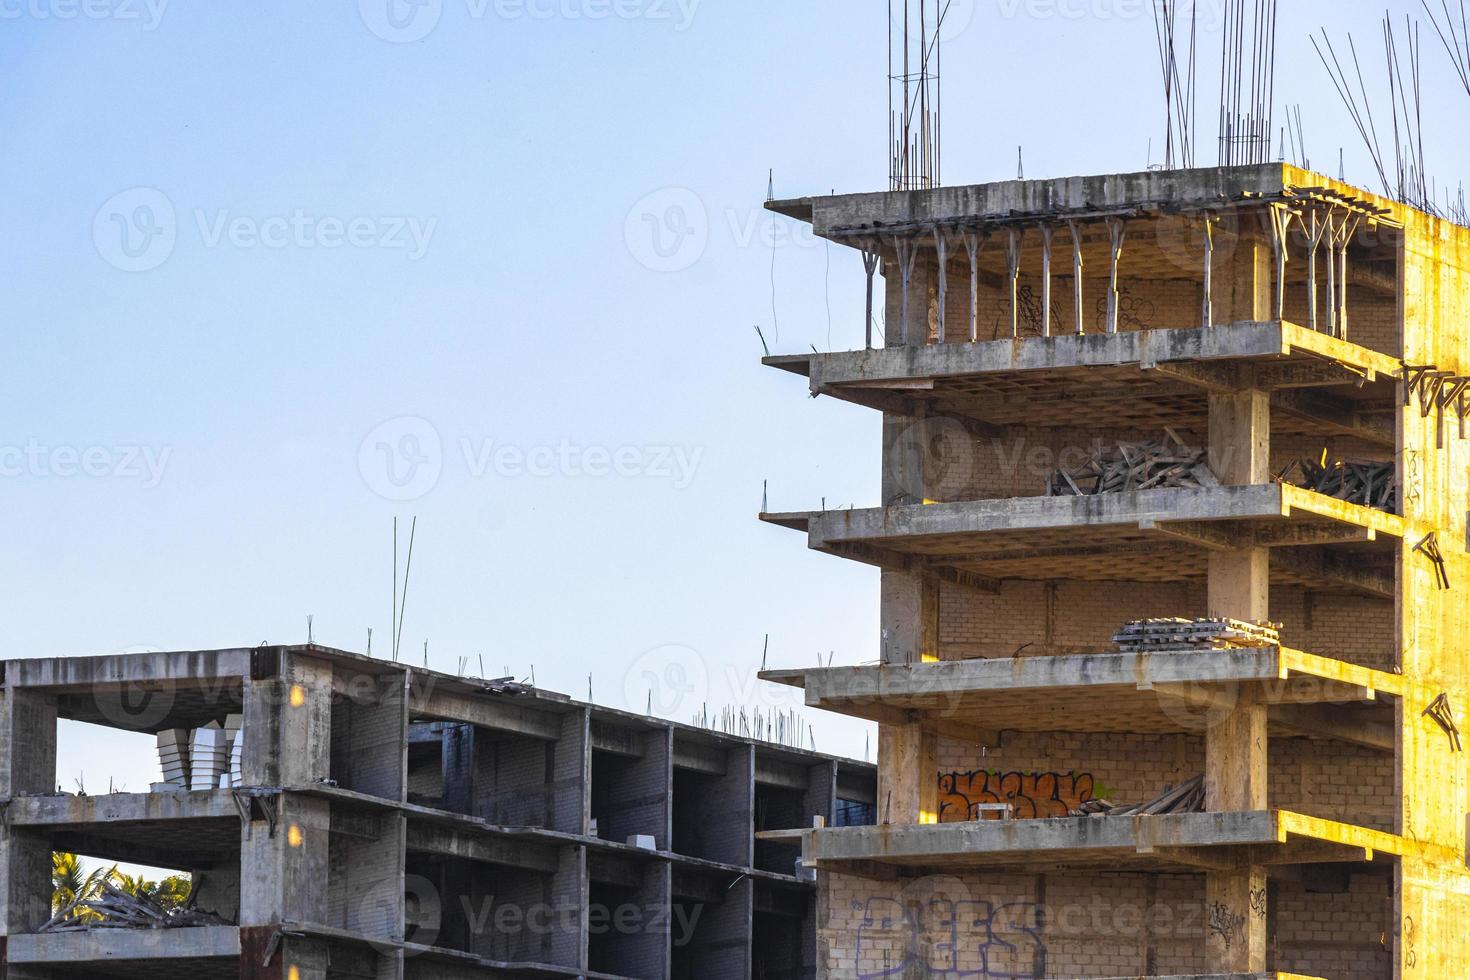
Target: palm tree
(72,884)
(170,894)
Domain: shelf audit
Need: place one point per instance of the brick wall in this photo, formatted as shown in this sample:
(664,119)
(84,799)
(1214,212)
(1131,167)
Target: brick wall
(1058,618)
(1079,925)
(1045,775)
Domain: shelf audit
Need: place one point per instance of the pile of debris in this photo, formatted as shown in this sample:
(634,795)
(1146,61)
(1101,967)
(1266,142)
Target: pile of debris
(114,908)
(1368,484)
(1161,635)
(1128,466)
(1187,797)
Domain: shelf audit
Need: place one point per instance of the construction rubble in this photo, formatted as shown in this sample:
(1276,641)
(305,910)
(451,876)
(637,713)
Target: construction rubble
(1123,467)
(1167,635)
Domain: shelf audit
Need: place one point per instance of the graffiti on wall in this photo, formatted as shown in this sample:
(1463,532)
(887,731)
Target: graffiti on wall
(942,938)
(1031,795)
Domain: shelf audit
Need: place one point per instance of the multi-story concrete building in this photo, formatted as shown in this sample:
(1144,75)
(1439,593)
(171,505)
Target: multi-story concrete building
(1266,315)
(394,822)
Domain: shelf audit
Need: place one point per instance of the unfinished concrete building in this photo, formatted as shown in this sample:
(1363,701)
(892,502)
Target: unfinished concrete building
(391,822)
(1302,334)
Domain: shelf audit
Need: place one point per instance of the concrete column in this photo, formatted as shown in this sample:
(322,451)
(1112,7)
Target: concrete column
(1240,455)
(27,743)
(908,775)
(572,775)
(288,725)
(1235,741)
(910,617)
(284,873)
(1235,922)
(1248,290)
(912,467)
(25,881)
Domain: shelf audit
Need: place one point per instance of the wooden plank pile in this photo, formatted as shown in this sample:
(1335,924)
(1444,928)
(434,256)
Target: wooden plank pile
(114,908)
(1127,466)
(1187,797)
(1170,635)
(1368,484)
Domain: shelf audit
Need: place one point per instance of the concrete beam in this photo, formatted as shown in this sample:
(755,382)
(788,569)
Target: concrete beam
(1042,513)
(124,670)
(484,712)
(482,848)
(101,946)
(1085,840)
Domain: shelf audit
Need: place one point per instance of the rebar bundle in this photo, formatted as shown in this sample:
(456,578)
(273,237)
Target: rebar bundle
(1248,82)
(1179,84)
(915,94)
(1456,42)
(1405,177)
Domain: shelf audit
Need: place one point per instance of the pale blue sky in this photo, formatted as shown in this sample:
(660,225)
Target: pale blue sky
(450,232)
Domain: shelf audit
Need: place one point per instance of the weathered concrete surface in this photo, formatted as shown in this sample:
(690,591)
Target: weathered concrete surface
(1246,503)
(102,945)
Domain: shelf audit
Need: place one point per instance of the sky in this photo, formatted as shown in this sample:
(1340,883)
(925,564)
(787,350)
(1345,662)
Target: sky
(278,273)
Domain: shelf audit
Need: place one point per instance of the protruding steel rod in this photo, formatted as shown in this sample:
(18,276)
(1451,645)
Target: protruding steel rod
(1209,285)
(1046,234)
(1013,255)
(870,266)
(1077,276)
(941,249)
(974,244)
(1117,232)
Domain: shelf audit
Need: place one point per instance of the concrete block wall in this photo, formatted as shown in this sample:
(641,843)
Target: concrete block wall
(1081,925)
(626,940)
(1048,775)
(369,734)
(1058,618)
(635,797)
(720,949)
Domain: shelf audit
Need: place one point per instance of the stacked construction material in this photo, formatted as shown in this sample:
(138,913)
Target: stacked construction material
(1368,484)
(236,741)
(1187,797)
(1158,635)
(210,757)
(173,756)
(1128,466)
(114,908)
